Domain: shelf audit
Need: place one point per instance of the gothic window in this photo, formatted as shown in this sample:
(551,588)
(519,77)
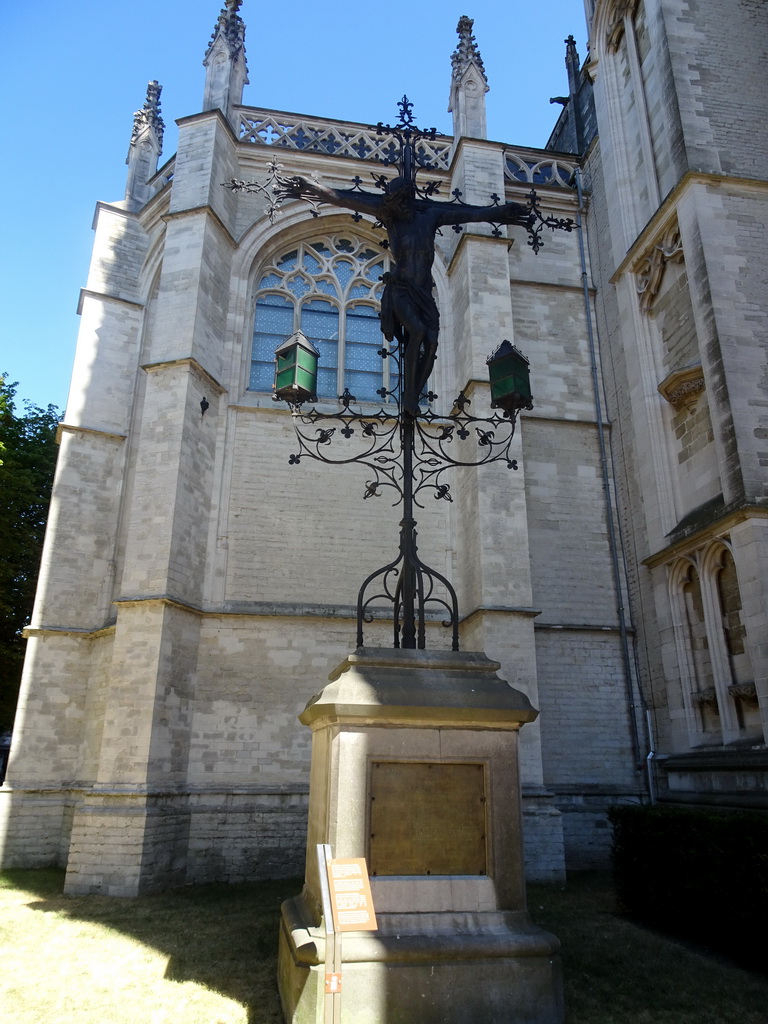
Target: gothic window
(734,632)
(712,649)
(697,629)
(630,66)
(329,287)
(701,685)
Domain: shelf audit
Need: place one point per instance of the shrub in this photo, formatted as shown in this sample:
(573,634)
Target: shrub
(700,874)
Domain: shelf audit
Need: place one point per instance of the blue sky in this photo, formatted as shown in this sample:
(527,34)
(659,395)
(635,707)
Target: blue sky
(74,71)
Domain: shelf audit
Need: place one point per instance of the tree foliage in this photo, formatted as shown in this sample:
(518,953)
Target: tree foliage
(27,461)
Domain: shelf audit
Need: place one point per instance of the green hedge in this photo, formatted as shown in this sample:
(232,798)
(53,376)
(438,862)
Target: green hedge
(700,874)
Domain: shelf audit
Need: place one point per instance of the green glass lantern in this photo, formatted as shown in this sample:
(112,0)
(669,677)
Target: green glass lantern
(296,370)
(510,377)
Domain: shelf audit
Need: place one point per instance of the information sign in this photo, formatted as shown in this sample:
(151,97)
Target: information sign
(351,898)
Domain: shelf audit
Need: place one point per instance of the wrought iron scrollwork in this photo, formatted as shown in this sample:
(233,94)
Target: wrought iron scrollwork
(407,457)
(537,222)
(407,451)
(440,442)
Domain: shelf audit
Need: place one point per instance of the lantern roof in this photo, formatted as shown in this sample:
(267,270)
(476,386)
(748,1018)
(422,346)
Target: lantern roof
(506,348)
(297,338)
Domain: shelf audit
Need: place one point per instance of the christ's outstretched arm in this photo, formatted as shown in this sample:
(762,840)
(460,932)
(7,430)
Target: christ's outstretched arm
(465,213)
(348,199)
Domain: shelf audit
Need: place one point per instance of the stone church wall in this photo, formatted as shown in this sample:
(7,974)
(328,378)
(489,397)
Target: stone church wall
(682,327)
(718,55)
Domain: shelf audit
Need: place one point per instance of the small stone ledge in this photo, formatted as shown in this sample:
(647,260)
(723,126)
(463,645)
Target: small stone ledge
(89,293)
(682,388)
(706,697)
(735,759)
(192,364)
(743,691)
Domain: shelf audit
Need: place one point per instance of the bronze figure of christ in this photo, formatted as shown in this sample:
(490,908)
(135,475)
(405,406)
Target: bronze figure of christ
(408,310)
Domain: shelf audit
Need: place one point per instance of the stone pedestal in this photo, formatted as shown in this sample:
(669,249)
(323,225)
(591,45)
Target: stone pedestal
(414,767)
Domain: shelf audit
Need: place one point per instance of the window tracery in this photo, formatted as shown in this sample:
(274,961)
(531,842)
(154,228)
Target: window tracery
(712,650)
(649,269)
(621,36)
(330,288)
(622,11)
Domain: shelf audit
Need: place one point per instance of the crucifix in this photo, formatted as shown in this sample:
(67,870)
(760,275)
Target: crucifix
(409,315)
(411,219)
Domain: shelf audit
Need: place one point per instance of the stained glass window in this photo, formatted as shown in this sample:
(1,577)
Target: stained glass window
(272,325)
(330,289)
(362,374)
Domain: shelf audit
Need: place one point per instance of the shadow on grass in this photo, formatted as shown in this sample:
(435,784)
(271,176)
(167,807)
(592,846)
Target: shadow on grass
(616,972)
(221,936)
(619,972)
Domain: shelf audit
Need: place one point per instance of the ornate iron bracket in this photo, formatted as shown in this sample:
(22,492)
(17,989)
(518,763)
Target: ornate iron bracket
(407,457)
(440,442)
(537,222)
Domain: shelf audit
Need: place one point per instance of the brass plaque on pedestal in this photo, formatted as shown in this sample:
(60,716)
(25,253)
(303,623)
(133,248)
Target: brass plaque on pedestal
(427,819)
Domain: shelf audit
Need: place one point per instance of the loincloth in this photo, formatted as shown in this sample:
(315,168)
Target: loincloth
(397,293)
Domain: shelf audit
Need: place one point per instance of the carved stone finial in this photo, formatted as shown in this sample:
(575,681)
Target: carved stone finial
(145,149)
(468,85)
(230,26)
(226,67)
(572,63)
(149,115)
(466,52)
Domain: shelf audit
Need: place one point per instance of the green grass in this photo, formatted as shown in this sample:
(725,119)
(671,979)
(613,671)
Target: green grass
(202,955)
(618,972)
(207,955)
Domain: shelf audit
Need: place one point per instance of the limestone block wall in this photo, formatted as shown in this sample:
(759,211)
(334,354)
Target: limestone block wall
(507,637)
(167,522)
(717,52)
(588,706)
(618,381)
(567,524)
(632,361)
(255,676)
(634,125)
(480,303)
(673,314)
(237,837)
(58,728)
(304,533)
(50,718)
(586,742)
(675,459)
(550,329)
(661,110)
(77,566)
(120,247)
(693,453)
(732,324)
(666,697)
(750,546)
(698,475)
(207,155)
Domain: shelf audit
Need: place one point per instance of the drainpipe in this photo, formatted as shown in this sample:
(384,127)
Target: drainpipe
(613,539)
(649,759)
